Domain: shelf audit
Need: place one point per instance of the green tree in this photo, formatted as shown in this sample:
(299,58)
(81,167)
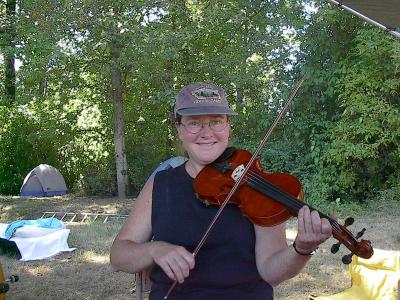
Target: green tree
(7,42)
(346,119)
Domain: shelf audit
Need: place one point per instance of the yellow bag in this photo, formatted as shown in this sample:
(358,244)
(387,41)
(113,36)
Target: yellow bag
(376,278)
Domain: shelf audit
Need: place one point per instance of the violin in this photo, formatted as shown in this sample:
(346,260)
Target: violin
(266,199)
(4,286)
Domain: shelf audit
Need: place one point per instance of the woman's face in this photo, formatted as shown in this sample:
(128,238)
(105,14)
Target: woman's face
(209,143)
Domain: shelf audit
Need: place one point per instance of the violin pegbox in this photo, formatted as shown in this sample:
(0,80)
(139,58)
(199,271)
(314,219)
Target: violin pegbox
(346,259)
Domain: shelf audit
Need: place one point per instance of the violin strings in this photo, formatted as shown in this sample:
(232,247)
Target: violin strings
(297,204)
(289,200)
(259,181)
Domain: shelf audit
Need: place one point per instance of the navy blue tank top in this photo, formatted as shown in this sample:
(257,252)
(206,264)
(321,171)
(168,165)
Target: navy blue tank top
(225,265)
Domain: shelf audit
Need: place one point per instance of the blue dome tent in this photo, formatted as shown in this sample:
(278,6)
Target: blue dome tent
(43,181)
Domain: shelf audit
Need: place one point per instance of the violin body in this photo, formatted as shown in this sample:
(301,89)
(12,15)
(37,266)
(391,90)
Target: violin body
(212,186)
(267,199)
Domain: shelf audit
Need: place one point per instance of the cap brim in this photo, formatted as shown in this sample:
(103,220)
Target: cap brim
(205,110)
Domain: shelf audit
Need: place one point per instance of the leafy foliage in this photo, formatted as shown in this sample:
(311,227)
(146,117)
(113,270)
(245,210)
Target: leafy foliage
(23,144)
(349,109)
(341,135)
(364,141)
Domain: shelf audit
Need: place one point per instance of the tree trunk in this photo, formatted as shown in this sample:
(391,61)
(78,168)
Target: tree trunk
(42,87)
(119,124)
(239,97)
(9,55)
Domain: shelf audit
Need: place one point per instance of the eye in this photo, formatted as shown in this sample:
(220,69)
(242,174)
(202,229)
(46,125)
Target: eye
(216,122)
(194,124)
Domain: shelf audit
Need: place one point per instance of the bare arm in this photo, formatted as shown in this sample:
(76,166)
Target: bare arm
(276,261)
(132,252)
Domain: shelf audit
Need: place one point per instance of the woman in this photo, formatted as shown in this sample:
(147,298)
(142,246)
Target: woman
(239,260)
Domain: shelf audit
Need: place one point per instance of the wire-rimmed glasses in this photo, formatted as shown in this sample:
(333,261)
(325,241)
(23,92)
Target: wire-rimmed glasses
(194,126)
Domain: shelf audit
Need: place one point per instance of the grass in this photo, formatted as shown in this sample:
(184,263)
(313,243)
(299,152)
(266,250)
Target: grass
(86,274)
(81,274)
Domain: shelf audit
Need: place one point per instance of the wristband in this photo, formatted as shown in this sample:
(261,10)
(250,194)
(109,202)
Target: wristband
(304,254)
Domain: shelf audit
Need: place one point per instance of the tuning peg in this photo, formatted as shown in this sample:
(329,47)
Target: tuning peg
(360,234)
(335,247)
(349,221)
(347,258)
(4,287)
(13,278)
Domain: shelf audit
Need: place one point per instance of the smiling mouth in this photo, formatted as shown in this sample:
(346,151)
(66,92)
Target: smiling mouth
(206,144)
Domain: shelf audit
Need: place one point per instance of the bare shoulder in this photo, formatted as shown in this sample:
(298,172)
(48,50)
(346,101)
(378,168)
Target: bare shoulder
(137,227)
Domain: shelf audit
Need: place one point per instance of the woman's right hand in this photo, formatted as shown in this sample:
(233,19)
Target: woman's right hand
(174,260)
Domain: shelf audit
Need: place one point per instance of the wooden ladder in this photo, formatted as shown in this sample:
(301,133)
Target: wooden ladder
(81,217)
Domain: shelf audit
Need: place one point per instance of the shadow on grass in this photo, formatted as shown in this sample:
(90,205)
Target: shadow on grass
(82,274)
(64,278)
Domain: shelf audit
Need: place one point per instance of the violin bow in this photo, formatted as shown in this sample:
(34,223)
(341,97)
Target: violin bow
(240,179)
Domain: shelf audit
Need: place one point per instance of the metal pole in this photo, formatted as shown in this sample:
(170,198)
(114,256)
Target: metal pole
(354,12)
(139,286)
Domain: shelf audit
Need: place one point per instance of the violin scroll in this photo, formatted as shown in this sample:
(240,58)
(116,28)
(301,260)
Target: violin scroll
(361,248)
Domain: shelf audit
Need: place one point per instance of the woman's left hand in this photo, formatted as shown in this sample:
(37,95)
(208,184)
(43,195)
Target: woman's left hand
(312,230)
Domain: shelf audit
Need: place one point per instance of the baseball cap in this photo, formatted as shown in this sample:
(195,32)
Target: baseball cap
(202,99)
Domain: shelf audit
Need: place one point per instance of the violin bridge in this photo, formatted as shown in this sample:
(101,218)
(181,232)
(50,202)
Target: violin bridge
(237,172)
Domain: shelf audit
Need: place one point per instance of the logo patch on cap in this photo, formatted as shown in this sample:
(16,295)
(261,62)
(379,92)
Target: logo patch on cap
(205,94)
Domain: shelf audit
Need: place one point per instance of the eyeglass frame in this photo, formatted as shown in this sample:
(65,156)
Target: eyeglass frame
(227,121)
